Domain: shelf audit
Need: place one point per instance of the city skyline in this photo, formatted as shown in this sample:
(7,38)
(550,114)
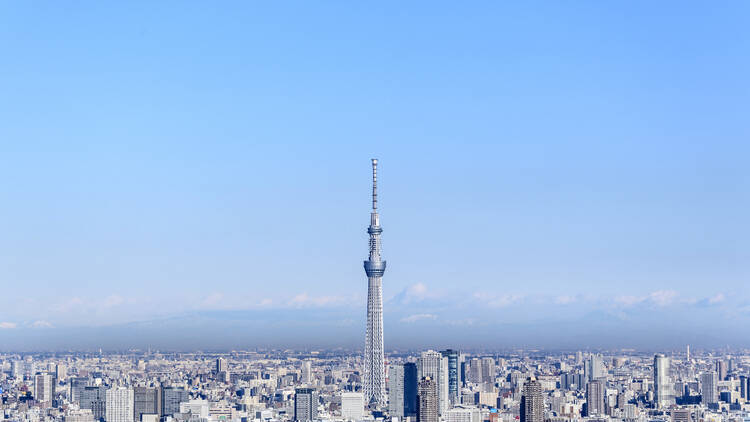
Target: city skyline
(554,175)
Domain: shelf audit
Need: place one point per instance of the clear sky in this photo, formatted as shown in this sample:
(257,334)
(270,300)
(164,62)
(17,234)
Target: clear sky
(552,173)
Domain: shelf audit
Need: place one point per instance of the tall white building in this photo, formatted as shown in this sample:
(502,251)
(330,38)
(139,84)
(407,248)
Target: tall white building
(434,365)
(44,388)
(663,396)
(119,406)
(306,372)
(352,406)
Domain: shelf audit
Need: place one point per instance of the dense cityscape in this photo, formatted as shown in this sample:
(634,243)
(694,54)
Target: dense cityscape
(448,385)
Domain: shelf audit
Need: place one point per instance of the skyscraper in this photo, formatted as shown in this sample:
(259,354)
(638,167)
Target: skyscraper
(663,396)
(146,401)
(709,388)
(432,364)
(171,397)
(402,390)
(453,358)
(595,397)
(94,398)
(721,369)
(44,388)
(305,404)
(532,401)
(427,400)
(119,405)
(593,368)
(221,365)
(374,373)
(306,372)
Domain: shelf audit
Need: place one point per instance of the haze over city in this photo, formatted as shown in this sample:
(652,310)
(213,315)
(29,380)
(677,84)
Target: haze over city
(196,176)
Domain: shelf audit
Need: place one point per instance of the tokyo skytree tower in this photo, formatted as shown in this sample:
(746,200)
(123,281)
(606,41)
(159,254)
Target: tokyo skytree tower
(374,379)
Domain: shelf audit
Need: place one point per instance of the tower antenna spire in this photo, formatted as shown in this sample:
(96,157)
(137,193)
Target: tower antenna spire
(374,183)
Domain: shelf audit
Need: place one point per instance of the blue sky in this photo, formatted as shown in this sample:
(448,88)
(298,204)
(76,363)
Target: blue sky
(542,165)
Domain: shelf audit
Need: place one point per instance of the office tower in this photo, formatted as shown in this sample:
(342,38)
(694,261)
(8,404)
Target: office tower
(352,406)
(681,415)
(595,397)
(94,398)
(16,369)
(61,372)
(76,385)
(709,388)
(488,370)
(594,368)
(306,372)
(146,400)
(305,404)
(463,414)
(402,390)
(432,364)
(374,373)
(532,401)
(427,400)
(663,396)
(171,398)
(721,369)
(475,371)
(119,404)
(221,365)
(44,388)
(743,387)
(453,376)
(687,353)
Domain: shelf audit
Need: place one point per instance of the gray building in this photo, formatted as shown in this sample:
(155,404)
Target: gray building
(94,398)
(532,401)
(146,400)
(595,397)
(663,396)
(427,400)
(709,388)
(171,398)
(402,390)
(305,404)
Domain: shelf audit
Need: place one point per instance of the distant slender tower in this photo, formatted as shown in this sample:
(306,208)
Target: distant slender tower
(374,381)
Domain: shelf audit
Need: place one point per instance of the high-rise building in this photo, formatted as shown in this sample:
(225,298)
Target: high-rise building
(427,400)
(475,371)
(402,389)
(687,353)
(452,357)
(44,388)
(61,372)
(594,368)
(432,364)
(595,397)
(119,404)
(146,400)
(709,388)
(352,406)
(663,396)
(94,398)
(488,370)
(221,365)
(374,361)
(532,401)
(305,404)
(744,387)
(306,372)
(721,369)
(171,397)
